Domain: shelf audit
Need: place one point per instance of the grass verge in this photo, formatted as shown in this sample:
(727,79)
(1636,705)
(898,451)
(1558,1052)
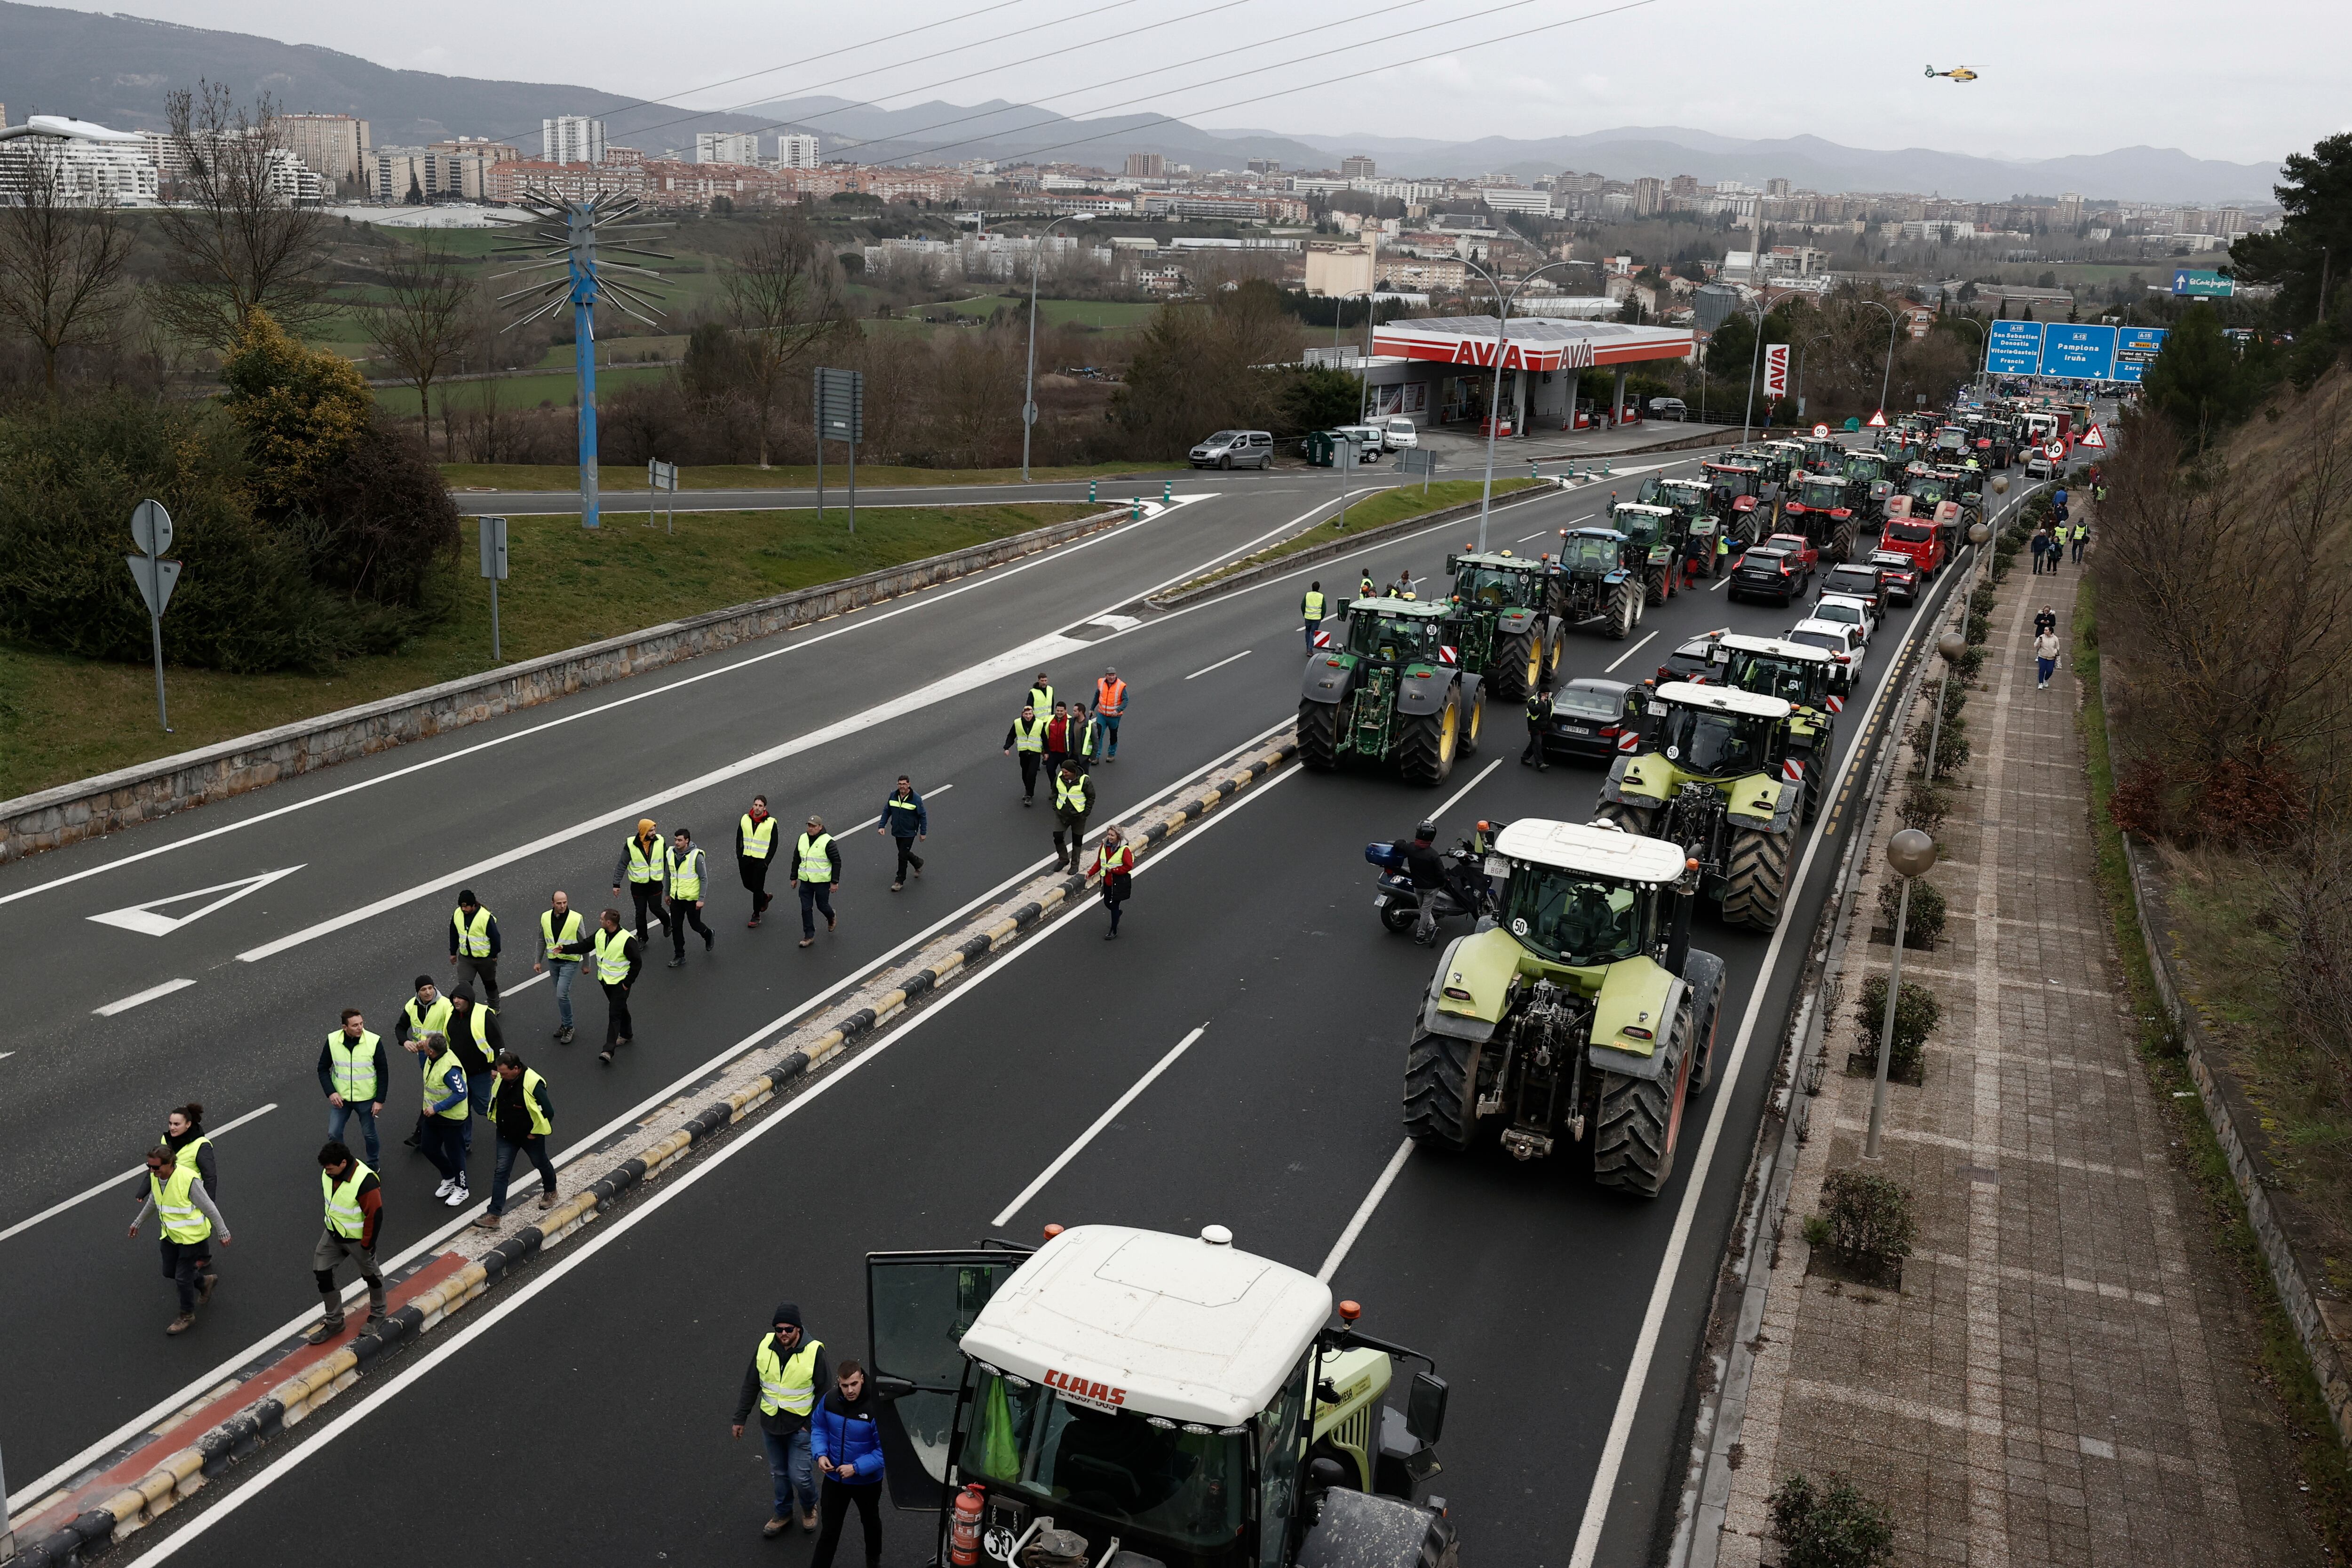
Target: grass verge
(1361,517)
(63,718)
(463,476)
(2320,1457)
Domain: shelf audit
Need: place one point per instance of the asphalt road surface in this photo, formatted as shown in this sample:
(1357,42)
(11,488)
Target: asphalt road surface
(599,1387)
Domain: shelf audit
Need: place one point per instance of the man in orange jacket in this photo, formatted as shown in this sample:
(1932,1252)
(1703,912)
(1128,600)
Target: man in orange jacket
(1110,705)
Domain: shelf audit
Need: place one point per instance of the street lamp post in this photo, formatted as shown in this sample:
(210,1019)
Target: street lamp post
(1495,400)
(1801,353)
(1029,388)
(1984,345)
(1910,852)
(1894,327)
(1950,646)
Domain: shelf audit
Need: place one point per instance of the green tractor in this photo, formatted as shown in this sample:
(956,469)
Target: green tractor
(1693,502)
(1584,1016)
(1592,586)
(1714,771)
(1389,689)
(1504,625)
(1738,490)
(1869,477)
(1653,544)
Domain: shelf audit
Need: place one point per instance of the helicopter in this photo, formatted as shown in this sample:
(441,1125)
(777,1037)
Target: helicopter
(1960,73)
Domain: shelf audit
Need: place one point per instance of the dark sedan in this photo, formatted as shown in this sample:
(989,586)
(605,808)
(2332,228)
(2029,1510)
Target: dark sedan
(1588,719)
(1774,574)
(1692,660)
(1898,574)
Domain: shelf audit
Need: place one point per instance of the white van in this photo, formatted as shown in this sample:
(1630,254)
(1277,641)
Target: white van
(1368,439)
(1399,432)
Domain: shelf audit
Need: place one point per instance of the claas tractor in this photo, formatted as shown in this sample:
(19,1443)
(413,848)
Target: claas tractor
(1653,546)
(1503,625)
(1127,1398)
(1390,690)
(1737,489)
(1693,502)
(1813,684)
(1713,772)
(1819,507)
(1593,588)
(1584,1016)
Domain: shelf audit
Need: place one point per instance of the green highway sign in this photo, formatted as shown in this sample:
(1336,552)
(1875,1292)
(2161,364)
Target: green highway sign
(2189,283)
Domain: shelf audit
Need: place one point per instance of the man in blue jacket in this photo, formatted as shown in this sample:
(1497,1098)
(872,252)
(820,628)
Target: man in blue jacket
(904,820)
(848,1442)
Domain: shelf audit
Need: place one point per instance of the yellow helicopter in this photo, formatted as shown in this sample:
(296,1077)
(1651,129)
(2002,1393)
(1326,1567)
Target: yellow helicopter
(1960,74)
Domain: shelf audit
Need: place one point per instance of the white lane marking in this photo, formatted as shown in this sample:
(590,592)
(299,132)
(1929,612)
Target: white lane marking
(142,917)
(1719,583)
(589,1145)
(525,984)
(1219,664)
(927,795)
(918,601)
(1013,662)
(1116,623)
(1646,1345)
(110,1184)
(127,1003)
(1455,797)
(1363,1215)
(1630,653)
(1538,534)
(611,1231)
(1078,1145)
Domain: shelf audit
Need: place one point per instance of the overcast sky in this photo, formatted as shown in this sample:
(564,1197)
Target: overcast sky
(2241,81)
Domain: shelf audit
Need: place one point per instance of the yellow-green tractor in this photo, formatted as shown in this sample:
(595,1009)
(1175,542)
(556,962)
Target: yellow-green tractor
(1813,684)
(1387,687)
(1714,771)
(1584,1016)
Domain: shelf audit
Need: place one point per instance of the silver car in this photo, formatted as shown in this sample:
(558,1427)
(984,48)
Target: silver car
(1235,449)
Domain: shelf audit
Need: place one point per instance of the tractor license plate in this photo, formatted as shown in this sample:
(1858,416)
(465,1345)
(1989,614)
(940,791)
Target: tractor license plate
(1497,867)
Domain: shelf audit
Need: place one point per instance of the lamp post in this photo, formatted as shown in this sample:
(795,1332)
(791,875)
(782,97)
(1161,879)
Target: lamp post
(1029,388)
(1808,343)
(1910,852)
(1493,401)
(1984,345)
(1894,327)
(1949,647)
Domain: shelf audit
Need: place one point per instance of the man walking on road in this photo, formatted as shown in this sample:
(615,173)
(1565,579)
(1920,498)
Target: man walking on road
(619,957)
(1061,740)
(185,1211)
(816,867)
(1073,800)
(640,865)
(1027,737)
(786,1371)
(1111,706)
(474,1039)
(1115,864)
(1311,609)
(523,1115)
(559,930)
(1538,720)
(847,1440)
(354,1071)
(1040,694)
(447,1108)
(755,845)
(904,820)
(2040,543)
(426,1013)
(354,1202)
(686,867)
(474,945)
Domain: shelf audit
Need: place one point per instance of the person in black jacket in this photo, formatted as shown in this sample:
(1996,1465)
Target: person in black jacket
(478,1051)
(371,1067)
(1538,720)
(784,1433)
(904,820)
(619,947)
(520,1108)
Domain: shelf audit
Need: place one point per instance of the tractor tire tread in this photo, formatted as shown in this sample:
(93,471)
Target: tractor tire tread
(1437,1109)
(1318,735)
(1756,877)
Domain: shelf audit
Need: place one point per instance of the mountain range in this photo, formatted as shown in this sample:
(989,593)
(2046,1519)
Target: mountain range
(117,69)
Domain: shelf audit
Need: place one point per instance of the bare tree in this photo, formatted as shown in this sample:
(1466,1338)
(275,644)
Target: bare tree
(423,318)
(61,258)
(784,299)
(239,241)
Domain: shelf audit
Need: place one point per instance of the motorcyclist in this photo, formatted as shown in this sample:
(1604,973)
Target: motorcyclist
(1435,883)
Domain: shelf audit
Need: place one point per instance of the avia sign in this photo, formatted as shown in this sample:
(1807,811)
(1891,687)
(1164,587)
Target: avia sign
(1776,370)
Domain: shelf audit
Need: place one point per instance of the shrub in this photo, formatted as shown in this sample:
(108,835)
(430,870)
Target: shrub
(1868,1213)
(301,410)
(1924,806)
(1955,698)
(1916,1013)
(1980,629)
(1926,922)
(1982,602)
(1833,1528)
(2138,806)
(1951,746)
(1970,662)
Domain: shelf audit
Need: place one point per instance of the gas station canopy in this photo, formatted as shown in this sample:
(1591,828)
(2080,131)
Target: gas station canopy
(1533,342)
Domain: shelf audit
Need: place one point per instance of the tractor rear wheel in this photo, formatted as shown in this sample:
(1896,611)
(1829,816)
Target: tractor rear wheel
(1630,818)
(1426,743)
(1318,735)
(1756,877)
(1437,1089)
(1555,649)
(1517,665)
(1473,723)
(1633,1136)
(1841,542)
(1657,582)
(1622,612)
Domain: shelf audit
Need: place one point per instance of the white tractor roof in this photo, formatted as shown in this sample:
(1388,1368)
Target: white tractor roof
(1776,647)
(1603,851)
(1724,700)
(1645,506)
(1172,1326)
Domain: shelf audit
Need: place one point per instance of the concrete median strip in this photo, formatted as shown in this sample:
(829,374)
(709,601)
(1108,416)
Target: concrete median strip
(293,1380)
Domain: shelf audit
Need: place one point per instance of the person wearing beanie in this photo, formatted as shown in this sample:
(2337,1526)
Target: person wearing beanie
(787,1370)
(474,945)
(473,1031)
(643,866)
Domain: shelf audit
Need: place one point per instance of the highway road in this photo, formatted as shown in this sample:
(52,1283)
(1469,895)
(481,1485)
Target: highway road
(1532,1290)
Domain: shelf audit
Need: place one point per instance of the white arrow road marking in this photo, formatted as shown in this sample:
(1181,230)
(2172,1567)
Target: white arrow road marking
(127,1003)
(143,918)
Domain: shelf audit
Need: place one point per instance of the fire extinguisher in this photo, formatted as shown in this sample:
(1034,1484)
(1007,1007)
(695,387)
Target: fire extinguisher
(963,1533)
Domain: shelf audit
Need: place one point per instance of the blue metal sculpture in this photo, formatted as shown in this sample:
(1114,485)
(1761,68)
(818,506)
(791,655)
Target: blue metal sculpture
(570,236)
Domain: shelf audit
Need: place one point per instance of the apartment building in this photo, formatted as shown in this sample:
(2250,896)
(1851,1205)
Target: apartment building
(796,149)
(566,139)
(333,146)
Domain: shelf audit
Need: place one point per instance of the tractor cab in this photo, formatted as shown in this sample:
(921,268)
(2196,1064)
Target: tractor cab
(1713,733)
(1819,508)
(1140,1400)
(1591,552)
(1396,631)
(1390,688)
(1654,537)
(1500,581)
(1813,684)
(1736,488)
(1593,586)
(1778,459)
(1691,501)
(1823,454)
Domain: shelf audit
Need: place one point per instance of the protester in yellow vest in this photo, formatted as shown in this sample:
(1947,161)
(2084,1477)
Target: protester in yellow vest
(448,1107)
(176,1196)
(686,870)
(559,926)
(1026,739)
(642,866)
(524,1116)
(619,957)
(353,1198)
(1074,798)
(788,1372)
(755,851)
(816,867)
(355,1073)
(474,945)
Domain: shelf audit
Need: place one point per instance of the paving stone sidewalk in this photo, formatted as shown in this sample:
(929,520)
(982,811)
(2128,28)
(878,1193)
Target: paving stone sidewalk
(2066,1375)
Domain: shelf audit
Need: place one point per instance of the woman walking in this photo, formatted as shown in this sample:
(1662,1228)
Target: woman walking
(1115,864)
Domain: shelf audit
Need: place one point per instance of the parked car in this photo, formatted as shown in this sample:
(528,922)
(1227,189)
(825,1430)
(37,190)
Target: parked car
(1766,574)
(1860,581)
(1692,660)
(1369,439)
(1858,613)
(1588,719)
(1842,642)
(1898,576)
(1669,408)
(1235,449)
(1398,432)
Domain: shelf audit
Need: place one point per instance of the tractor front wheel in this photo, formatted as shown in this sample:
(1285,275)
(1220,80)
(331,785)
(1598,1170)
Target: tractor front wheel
(1621,611)
(1318,735)
(1517,665)
(1657,582)
(1426,743)
(1756,877)
(1438,1107)
(1633,1136)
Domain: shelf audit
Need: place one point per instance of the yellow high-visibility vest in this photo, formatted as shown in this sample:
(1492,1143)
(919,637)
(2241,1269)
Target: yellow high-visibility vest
(436,1076)
(344,1215)
(758,838)
(787,1384)
(555,939)
(184,1222)
(473,939)
(613,957)
(1073,795)
(816,863)
(1032,739)
(644,866)
(436,1020)
(540,1125)
(685,876)
(352,1065)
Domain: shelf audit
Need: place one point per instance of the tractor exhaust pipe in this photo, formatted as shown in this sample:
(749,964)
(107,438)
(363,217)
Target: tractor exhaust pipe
(1685,894)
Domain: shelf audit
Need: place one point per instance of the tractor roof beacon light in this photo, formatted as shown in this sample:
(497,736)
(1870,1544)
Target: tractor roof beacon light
(1911,853)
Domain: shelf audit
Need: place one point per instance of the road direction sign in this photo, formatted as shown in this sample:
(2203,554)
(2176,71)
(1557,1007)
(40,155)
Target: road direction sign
(2188,283)
(151,527)
(2136,349)
(2013,348)
(147,919)
(2078,351)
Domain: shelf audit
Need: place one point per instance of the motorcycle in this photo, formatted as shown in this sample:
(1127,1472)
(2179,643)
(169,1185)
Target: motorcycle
(1403,907)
